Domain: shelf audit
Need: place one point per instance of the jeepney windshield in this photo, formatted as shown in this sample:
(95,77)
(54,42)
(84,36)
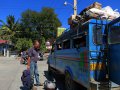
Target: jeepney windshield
(114,35)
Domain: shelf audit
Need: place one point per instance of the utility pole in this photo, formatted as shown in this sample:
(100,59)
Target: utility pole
(75,7)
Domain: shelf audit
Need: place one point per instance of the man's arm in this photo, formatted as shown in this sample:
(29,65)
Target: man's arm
(28,65)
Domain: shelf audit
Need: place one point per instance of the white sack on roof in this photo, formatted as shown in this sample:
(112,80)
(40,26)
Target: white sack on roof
(106,12)
(96,11)
(109,12)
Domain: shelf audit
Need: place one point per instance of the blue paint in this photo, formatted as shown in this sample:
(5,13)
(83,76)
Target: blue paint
(114,51)
(98,75)
(68,69)
(115,63)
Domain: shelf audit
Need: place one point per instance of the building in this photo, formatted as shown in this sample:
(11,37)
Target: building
(4,47)
(60,30)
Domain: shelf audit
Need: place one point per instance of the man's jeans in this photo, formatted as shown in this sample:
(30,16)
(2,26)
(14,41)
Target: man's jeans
(34,72)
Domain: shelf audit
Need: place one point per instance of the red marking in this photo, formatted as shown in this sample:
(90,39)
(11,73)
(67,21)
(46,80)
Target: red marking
(65,57)
(85,59)
(3,41)
(69,58)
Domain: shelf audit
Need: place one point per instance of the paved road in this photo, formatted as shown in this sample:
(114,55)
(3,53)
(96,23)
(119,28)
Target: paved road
(11,71)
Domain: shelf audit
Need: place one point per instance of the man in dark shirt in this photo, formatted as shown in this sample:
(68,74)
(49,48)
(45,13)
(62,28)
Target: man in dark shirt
(34,57)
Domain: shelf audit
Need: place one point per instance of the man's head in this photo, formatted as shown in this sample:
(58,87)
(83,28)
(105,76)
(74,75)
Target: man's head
(36,44)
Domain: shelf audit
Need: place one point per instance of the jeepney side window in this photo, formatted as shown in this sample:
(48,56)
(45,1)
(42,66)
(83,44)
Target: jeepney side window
(114,34)
(97,35)
(59,46)
(79,42)
(66,44)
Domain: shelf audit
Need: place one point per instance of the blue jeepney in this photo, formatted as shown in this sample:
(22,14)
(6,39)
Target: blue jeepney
(82,55)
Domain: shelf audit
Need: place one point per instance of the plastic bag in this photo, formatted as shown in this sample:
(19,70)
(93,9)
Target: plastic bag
(105,13)
(96,11)
(110,13)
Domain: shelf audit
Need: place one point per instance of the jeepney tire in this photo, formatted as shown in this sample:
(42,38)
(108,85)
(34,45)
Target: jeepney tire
(69,83)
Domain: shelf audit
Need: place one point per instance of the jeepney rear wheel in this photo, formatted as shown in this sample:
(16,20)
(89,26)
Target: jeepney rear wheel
(69,83)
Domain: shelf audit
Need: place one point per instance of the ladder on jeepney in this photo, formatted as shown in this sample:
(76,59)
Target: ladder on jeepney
(103,55)
(104,49)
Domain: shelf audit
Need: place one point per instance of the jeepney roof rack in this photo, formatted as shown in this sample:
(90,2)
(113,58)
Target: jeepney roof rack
(69,33)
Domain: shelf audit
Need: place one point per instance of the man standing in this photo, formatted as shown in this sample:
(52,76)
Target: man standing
(33,54)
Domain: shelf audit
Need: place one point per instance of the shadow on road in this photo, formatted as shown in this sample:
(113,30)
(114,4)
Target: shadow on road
(59,80)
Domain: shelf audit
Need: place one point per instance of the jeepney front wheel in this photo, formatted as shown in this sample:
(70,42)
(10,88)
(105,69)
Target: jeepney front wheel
(69,83)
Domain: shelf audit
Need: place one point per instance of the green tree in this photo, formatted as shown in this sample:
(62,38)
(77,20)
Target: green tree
(43,46)
(29,24)
(43,23)
(48,22)
(23,44)
(8,29)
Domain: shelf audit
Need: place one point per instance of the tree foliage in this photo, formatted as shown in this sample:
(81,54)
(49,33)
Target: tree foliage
(9,28)
(48,22)
(31,26)
(23,44)
(43,23)
(43,47)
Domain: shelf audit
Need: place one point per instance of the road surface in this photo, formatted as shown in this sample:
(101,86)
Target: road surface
(11,71)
